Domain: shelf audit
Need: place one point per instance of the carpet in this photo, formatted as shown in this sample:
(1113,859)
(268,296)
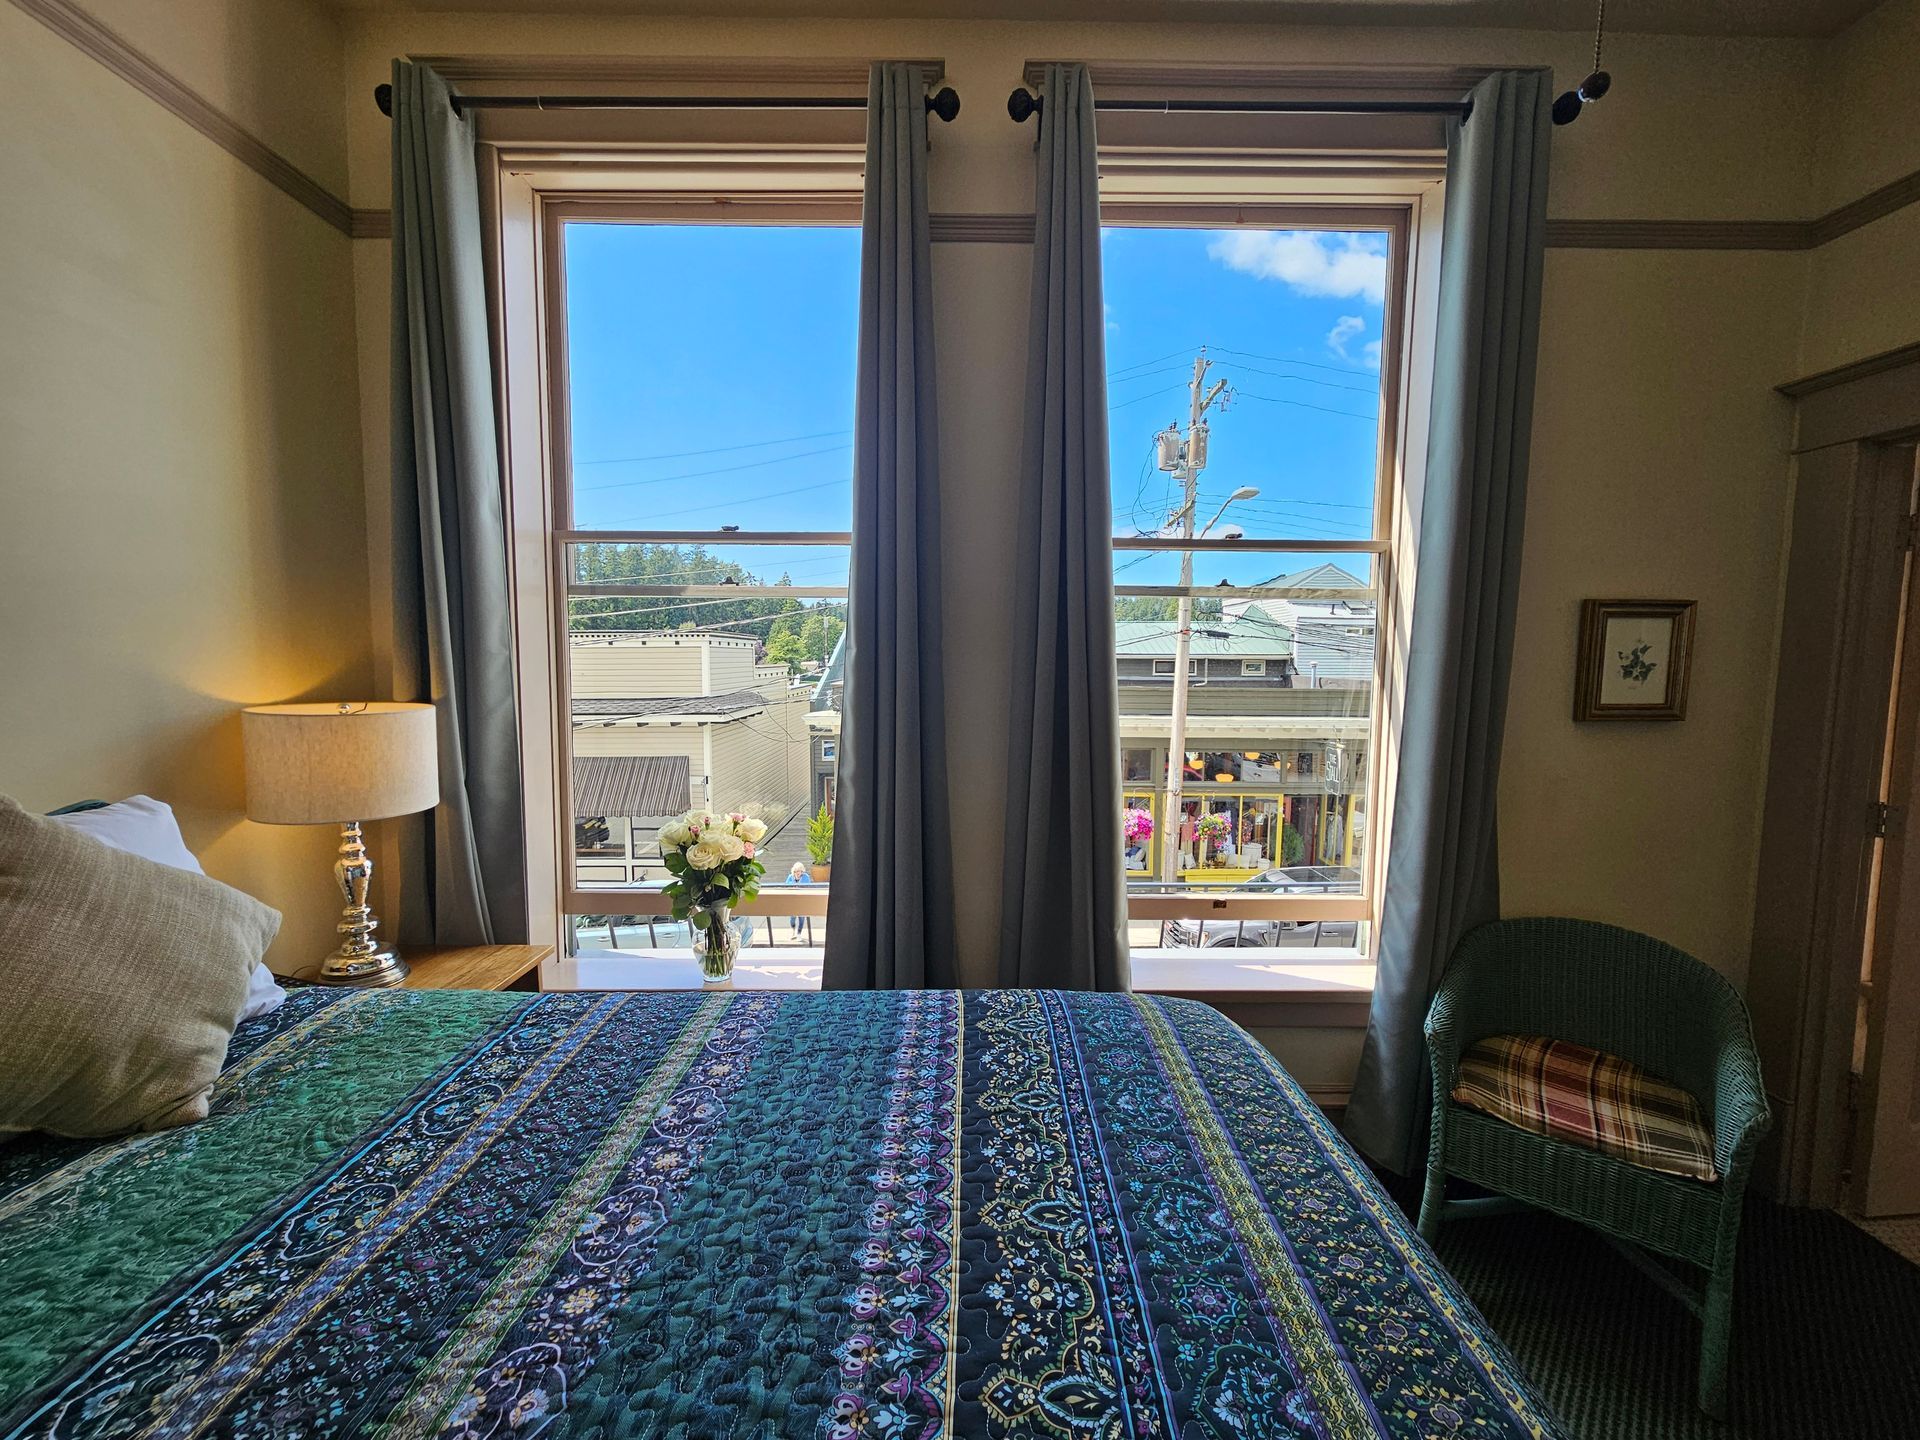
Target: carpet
(1826,1341)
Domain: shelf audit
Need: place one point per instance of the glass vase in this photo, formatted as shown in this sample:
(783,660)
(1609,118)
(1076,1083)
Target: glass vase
(716,945)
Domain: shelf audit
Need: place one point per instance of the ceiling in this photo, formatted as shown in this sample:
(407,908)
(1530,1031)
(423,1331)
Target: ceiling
(1668,17)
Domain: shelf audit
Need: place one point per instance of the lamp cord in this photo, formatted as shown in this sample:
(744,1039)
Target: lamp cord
(1599,29)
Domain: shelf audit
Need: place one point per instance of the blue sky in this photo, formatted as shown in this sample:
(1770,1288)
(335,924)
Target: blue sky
(712,373)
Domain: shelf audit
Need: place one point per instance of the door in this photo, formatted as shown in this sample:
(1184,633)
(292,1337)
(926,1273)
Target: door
(1886,1169)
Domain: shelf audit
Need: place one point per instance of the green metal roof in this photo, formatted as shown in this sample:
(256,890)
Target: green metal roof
(1211,636)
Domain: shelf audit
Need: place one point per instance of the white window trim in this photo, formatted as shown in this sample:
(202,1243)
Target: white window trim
(517,186)
(1272,191)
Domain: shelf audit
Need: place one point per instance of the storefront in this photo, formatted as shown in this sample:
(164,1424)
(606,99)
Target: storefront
(1247,810)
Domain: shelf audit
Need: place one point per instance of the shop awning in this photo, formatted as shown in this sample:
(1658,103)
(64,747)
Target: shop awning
(632,785)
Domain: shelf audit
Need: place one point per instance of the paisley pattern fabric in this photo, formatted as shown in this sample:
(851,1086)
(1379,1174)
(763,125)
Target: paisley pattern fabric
(909,1215)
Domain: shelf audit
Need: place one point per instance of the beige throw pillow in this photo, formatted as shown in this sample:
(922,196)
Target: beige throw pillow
(122,981)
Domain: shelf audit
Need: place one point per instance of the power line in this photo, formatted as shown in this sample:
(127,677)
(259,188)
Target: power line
(1114,370)
(719,470)
(673,605)
(1330,504)
(1302,405)
(1288,360)
(748,500)
(715,450)
(1170,390)
(719,567)
(1373,390)
(1144,375)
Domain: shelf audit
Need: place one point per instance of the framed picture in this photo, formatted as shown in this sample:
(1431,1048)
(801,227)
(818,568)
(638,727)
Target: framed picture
(1635,658)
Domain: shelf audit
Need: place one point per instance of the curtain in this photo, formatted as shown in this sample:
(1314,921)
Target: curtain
(893,905)
(1443,865)
(1064,920)
(454,633)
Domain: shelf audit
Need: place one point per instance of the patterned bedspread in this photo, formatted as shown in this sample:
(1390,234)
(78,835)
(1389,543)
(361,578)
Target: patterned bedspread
(982,1214)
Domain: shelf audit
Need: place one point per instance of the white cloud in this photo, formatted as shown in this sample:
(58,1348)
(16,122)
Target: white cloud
(1349,328)
(1313,262)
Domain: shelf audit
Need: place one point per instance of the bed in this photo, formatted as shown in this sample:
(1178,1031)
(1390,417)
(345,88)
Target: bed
(726,1215)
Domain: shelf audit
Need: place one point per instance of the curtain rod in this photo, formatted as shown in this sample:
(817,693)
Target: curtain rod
(944,103)
(1023,104)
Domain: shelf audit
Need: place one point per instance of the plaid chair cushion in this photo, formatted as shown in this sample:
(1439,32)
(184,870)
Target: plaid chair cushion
(1586,1097)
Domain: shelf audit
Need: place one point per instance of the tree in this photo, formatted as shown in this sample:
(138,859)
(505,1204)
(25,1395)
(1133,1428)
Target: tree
(1163,608)
(784,644)
(669,565)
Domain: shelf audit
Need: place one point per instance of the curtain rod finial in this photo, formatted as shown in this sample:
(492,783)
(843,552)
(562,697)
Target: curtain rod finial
(944,103)
(383,97)
(1022,105)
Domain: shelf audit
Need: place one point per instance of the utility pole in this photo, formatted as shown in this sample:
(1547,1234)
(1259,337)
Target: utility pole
(1193,459)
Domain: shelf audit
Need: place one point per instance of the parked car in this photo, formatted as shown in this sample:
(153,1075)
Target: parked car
(1287,880)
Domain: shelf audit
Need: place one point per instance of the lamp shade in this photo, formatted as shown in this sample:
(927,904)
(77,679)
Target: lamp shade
(331,763)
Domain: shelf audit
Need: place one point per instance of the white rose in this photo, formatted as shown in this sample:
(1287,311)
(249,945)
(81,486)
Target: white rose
(731,847)
(675,834)
(706,855)
(752,831)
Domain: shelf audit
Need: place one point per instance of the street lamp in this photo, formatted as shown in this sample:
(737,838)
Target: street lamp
(1182,648)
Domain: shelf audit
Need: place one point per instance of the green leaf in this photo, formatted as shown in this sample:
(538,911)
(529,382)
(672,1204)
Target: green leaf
(701,918)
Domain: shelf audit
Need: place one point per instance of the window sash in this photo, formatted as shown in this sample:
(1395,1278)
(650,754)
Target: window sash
(1395,221)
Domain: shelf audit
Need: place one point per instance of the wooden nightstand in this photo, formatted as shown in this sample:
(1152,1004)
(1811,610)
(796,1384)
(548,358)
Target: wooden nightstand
(476,967)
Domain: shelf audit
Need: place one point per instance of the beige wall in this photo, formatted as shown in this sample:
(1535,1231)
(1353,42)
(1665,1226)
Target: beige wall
(1863,291)
(1658,462)
(181,515)
(1658,444)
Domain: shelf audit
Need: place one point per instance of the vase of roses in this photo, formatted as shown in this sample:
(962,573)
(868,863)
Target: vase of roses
(712,861)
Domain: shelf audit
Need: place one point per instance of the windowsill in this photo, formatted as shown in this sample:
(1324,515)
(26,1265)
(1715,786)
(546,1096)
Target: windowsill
(1332,989)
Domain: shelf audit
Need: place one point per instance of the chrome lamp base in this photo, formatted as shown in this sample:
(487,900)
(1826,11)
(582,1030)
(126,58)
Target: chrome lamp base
(360,960)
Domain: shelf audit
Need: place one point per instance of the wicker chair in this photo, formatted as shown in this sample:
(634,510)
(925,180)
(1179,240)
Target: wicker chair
(1647,1003)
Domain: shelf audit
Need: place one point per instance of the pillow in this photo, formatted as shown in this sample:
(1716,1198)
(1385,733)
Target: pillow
(141,825)
(124,979)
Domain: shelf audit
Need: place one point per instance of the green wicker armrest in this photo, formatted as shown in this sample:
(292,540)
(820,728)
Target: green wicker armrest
(1739,1101)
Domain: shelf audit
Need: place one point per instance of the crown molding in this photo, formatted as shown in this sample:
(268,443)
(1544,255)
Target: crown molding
(1679,234)
(88,35)
(1874,205)
(1881,364)
(981,229)
(95,40)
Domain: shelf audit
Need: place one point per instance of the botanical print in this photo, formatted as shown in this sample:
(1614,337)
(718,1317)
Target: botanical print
(1638,651)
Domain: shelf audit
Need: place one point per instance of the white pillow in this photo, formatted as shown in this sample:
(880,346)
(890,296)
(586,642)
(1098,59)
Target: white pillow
(143,826)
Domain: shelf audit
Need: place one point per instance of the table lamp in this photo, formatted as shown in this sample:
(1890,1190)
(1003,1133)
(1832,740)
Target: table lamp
(340,763)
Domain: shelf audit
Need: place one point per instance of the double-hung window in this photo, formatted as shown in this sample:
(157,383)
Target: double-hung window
(699,445)
(1253,364)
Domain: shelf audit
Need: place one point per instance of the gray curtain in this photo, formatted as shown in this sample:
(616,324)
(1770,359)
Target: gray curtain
(1443,867)
(452,617)
(893,905)
(1064,921)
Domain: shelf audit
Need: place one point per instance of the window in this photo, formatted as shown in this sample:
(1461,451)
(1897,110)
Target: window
(702,501)
(1251,474)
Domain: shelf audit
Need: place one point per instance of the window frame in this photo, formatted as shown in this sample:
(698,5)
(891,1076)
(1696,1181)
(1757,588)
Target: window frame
(552,212)
(1399,220)
(526,192)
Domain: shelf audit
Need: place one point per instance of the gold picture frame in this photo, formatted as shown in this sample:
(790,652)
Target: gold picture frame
(1635,660)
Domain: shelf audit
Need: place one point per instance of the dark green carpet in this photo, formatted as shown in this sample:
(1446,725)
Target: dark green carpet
(1826,1341)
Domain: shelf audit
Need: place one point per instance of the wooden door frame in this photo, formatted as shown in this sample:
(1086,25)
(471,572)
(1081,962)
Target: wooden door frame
(1840,621)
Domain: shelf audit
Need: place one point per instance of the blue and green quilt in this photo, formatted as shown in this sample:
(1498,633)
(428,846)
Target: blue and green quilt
(993,1213)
